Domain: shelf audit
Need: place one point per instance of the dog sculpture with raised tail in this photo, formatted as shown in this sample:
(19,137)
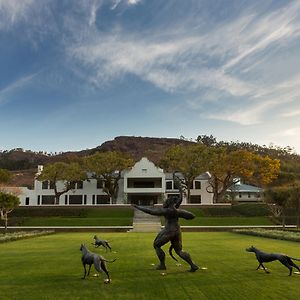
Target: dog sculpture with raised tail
(90,258)
(264,257)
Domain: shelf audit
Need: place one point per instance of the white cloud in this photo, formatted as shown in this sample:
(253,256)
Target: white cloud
(245,116)
(12,11)
(9,90)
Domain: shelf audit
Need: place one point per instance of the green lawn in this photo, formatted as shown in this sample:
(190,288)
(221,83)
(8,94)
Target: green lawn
(49,267)
(227,221)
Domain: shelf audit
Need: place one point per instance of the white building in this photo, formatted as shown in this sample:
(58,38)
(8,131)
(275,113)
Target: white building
(144,184)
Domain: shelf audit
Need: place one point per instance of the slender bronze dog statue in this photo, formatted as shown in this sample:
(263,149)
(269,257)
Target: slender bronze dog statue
(90,258)
(264,257)
(99,242)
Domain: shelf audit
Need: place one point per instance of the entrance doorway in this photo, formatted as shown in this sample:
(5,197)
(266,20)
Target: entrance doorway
(145,200)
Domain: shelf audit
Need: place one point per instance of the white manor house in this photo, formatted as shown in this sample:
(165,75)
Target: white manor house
(143,184)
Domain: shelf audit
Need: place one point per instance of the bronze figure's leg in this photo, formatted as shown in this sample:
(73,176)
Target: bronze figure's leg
(161,239)
(177,245)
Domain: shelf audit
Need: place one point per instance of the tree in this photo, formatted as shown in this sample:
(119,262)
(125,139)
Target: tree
(277,201)
(295,202)
(8,202)
(107,166)
(227,167)
(190,161)
(68,173)
(4,176)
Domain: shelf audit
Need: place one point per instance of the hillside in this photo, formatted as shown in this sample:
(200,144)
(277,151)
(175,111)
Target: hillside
(23,164)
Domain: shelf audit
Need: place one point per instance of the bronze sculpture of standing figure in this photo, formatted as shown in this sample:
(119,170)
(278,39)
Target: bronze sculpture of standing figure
(171,232)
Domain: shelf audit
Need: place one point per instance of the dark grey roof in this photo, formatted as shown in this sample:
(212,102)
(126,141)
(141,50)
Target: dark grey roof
(246,188)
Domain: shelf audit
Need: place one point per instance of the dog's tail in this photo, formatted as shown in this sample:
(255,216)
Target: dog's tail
(109,261)
(294,258)
(170,252)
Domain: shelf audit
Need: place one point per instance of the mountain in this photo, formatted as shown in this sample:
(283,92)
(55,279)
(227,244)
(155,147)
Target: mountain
(23,164)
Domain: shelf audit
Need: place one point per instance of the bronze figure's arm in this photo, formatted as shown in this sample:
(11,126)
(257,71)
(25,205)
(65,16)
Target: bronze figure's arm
(151,211)
(185,214)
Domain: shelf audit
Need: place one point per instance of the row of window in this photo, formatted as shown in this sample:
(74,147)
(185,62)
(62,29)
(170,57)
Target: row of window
(171,185)
(76,185)
(71,200)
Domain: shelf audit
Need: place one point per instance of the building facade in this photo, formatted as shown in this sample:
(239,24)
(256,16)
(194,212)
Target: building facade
(143,184)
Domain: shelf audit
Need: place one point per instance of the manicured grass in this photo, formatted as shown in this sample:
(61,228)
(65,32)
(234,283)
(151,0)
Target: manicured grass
(49,267)
(88,217)
(226,221)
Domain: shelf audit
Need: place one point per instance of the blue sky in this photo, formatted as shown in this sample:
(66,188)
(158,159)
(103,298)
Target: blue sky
(74,74)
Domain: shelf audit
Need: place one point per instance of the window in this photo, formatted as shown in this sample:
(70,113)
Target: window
(79,185)
(195,199)
(93,199)
(52,185)
(45,185)
(99,184)
(197,185)
(169,185)
(66,199)
(27,201)
(48,200)
(75,199)
(84,199)
(249,195)
(39,200)
(72,185)
(240,195)
(102,199)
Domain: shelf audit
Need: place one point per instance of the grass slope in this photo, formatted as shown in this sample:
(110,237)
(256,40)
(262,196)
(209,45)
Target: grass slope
(49,267)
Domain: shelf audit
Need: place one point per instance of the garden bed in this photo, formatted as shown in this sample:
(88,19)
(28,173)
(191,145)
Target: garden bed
(14,236)
(273,234)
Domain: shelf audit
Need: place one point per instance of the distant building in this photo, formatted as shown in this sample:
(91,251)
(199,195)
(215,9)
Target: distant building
(245,193)
(143,184)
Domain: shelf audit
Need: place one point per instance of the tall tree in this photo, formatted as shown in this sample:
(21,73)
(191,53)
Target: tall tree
(227,167)
(60,172)
(107,166)
(8,202)
(190,161)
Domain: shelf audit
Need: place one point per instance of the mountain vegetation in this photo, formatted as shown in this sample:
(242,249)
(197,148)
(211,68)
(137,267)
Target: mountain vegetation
(23,163)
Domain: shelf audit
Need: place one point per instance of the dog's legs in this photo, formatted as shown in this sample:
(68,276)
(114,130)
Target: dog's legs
(103,267)
(258,266)
(264,268)
(84,267)
(286,263)
(89,270)
(291,263)
(107,244)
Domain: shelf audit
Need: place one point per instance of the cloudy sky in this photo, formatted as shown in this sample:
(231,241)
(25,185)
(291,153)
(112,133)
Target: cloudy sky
(74,74)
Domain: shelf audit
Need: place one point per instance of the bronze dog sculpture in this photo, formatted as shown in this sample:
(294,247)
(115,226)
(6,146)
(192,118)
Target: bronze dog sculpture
(99,242)
(90,258)
(264,257)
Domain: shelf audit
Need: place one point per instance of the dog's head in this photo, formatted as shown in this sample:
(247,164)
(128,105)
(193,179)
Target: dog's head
(82,246)
(251,249)
(95,237)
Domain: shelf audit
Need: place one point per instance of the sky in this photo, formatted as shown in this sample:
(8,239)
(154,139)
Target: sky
(76,73)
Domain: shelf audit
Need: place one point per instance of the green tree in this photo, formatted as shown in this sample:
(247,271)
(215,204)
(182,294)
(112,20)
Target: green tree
(107,166)
(8,202)
(5,176)
(190,161)
(60,172)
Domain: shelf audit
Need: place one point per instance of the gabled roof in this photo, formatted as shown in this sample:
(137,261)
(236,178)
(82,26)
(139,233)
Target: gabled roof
(246,188)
